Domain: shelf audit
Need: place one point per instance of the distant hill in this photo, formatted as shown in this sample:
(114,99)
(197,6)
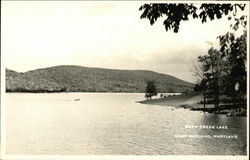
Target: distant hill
(84,79)
(22,82)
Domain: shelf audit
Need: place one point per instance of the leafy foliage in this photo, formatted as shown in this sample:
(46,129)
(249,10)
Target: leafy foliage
(233,50)
(225,70)
(212,69)
(150,90)
(176,13)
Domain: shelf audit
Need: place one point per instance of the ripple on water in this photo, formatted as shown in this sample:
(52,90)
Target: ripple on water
(112,124)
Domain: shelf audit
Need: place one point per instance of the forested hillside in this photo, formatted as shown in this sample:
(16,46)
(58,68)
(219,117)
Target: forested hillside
(84,79)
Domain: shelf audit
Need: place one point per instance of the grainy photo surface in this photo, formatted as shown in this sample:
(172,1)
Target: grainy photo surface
(124,78)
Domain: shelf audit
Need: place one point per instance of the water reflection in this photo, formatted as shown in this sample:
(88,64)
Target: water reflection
(112,124)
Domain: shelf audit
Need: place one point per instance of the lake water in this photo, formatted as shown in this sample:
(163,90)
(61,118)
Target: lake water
(113,124)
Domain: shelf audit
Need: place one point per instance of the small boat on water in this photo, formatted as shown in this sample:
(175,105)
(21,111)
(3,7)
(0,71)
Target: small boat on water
(77,99)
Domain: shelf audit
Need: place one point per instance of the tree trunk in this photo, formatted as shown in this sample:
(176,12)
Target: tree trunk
(204,100)
(234,101)
(216,93)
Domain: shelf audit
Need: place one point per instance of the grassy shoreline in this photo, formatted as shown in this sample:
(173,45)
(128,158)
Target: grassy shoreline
(192,102)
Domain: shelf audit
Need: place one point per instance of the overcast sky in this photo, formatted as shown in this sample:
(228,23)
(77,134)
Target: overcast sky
(100,34)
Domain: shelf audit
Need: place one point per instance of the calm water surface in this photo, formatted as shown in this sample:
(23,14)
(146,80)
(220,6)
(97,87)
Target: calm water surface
(113,124)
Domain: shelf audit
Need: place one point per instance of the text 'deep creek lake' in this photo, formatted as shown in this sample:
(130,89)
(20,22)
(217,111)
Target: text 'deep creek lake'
(114,124)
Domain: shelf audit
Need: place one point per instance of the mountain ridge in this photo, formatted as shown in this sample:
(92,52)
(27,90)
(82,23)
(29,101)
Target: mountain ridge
(74,78)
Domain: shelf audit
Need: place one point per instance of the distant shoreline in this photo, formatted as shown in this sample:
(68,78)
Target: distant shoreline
(192,102)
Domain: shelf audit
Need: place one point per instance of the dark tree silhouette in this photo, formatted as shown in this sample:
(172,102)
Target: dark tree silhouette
(233,50)
(224,70)
(213,66)
(178,12)
(150,90)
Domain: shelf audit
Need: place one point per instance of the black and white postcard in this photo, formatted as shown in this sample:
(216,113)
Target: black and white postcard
(124,80)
